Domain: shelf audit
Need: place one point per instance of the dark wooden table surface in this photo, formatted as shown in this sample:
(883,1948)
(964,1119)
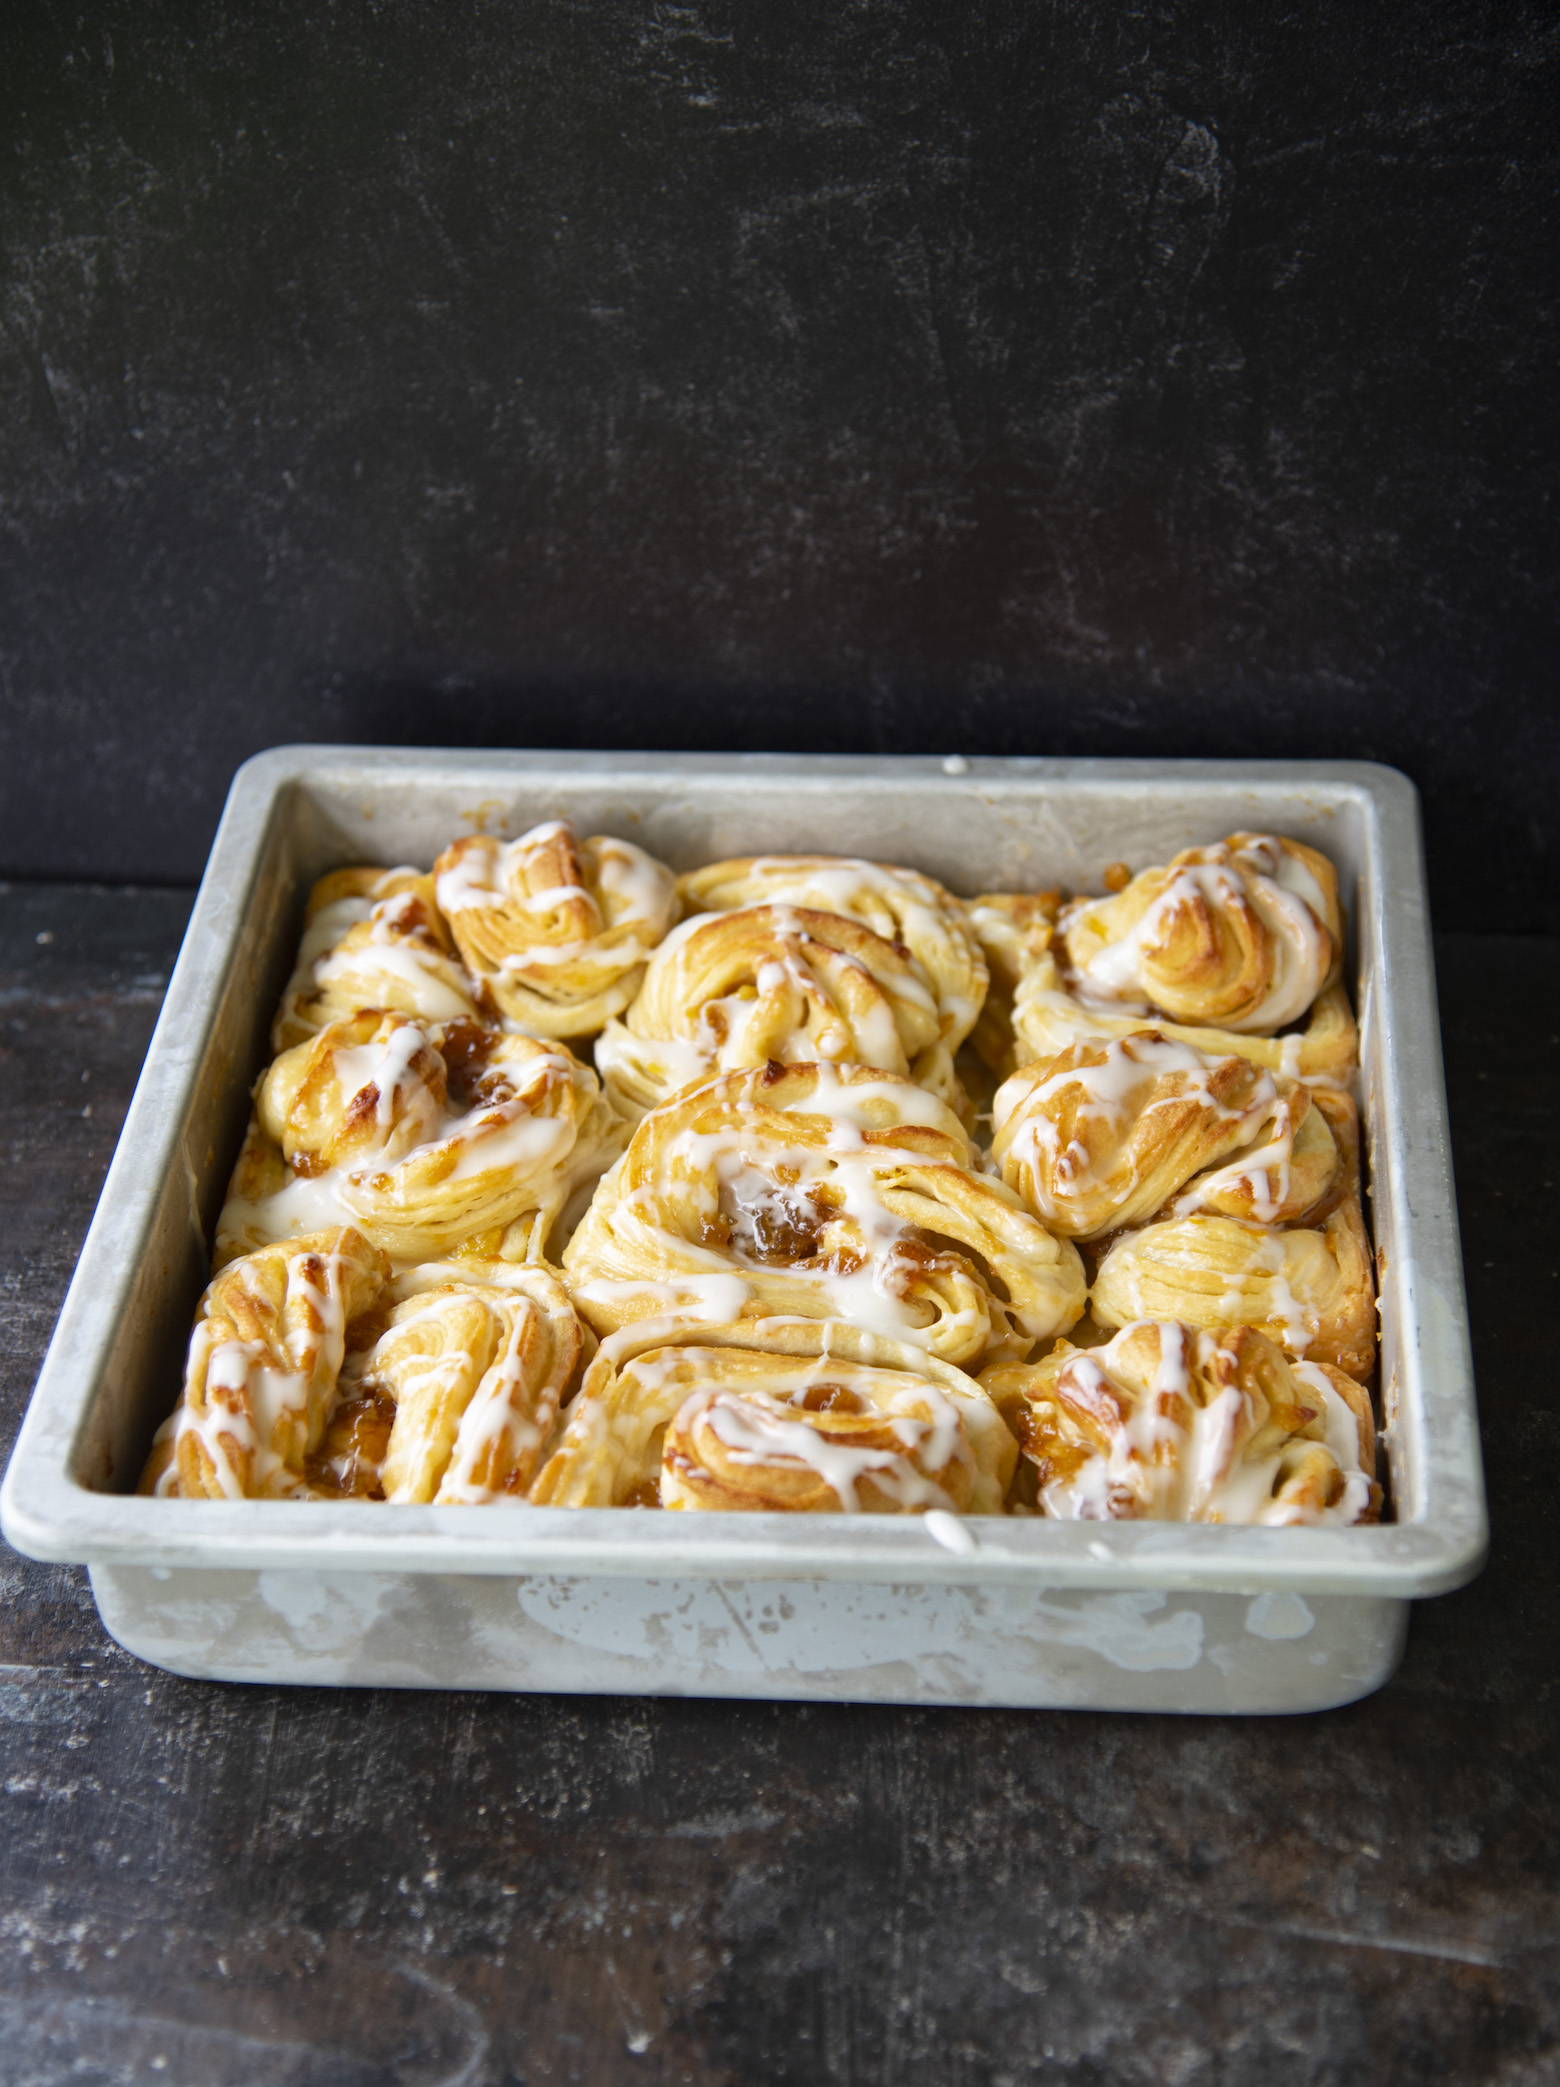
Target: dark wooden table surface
(247,1887)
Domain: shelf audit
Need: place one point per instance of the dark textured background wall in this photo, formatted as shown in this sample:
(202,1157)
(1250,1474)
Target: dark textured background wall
(1013,377)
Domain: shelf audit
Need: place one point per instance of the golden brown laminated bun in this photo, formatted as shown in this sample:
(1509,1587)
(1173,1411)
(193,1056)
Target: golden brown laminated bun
(271,1332)
(777,1416)
(313,1374)
(428,1137)
(373,939)
(1107,1133)
(1307,1288)
(781,982)
(1169,1423)
(558,929)
(1241,936)
(477,1359)
(1047,1018)
(902,906)
(829,1192)
(369,1085)
(1235,947)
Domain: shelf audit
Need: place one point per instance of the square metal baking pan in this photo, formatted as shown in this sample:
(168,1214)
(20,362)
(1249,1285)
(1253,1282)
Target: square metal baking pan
(1023,1612)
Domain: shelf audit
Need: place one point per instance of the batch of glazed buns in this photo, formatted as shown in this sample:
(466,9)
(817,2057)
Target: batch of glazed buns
(798,1184)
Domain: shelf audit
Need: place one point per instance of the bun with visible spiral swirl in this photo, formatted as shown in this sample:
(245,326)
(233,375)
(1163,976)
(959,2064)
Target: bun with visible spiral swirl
(781,982)
(557,929)
(1168,1423)
(373,938)
(1307,1286)
(1242,936)
(1223,948)
(477,1360)
(899,905)
(1105,1134)
(777,1416)
(271,1332)
(830,1192)
(427,1137)
(313,1374)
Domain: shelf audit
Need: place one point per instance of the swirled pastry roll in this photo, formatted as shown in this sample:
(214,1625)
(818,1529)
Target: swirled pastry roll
(1169,1423)
(1014,929)
(475,1370)
(1106,1134)
(900,905)
(367,1086)
(557,929)
(1221,949)
(777,1417)
(427,1137)
(828,1192)
(271,1332)
(1241,936)
(761,983)
(1306,1287)
(1047,1018)
(373,938)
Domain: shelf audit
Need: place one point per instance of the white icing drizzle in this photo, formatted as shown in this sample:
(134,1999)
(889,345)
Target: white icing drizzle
(479,876)
(847,1106)
(495,1415)
(304,1205)
(784,987)
(893,903)
(717,1298)
(1279,889)
(1343,1440)
(329,924)
(1114,971)
(387,1067)
(634,894)
(1158,1469)
(758,1430)
(714,1300)
(1266,856)
(1300,1327)
(496,1137)
(468,1275)
(247,1398)
(1111,1091)
(777,1179)
(673,1059)
(507,1137)
(950,1531)
(1263,1173)
(432,979)
(636,888)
